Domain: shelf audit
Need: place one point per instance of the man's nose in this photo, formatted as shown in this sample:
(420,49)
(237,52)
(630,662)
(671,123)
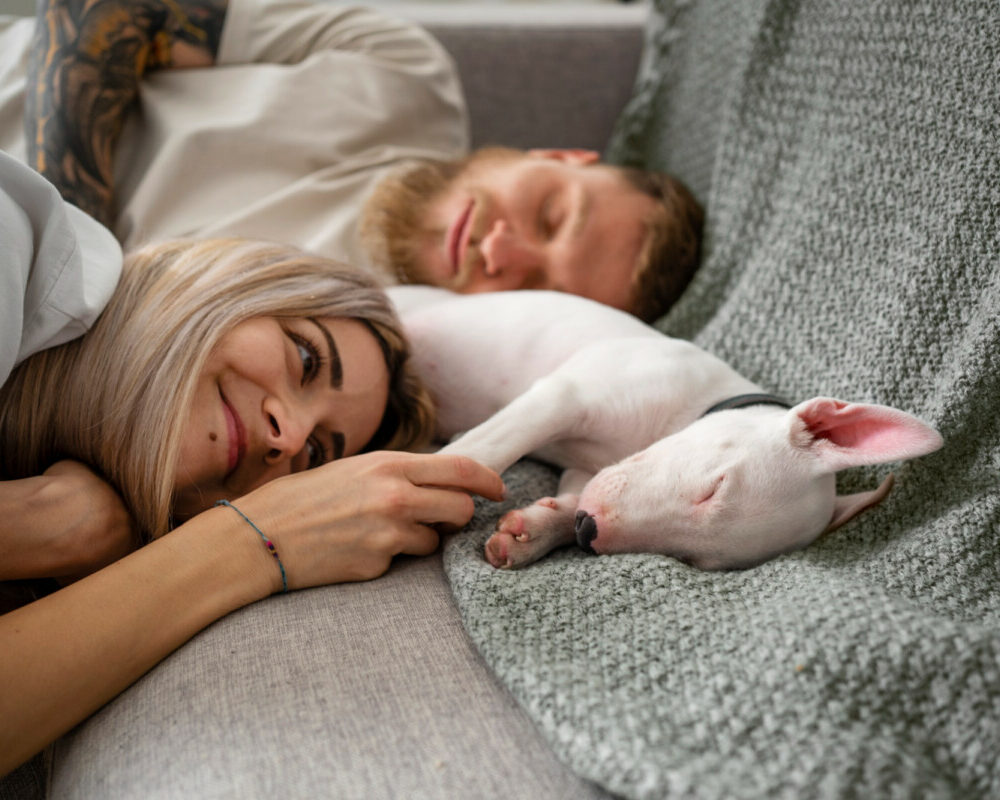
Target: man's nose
(504,250)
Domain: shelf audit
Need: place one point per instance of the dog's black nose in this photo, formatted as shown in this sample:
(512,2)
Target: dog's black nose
(586,530)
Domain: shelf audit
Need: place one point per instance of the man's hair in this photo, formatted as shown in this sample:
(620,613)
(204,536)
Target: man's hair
(118,398)
(392,217)
(672,248)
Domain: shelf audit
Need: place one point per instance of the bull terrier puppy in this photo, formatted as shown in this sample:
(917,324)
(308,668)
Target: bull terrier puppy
(664,447)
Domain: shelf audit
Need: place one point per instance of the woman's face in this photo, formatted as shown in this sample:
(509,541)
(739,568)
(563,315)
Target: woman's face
(278,396)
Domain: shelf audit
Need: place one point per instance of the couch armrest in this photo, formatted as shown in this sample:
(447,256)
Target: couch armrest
(539,75)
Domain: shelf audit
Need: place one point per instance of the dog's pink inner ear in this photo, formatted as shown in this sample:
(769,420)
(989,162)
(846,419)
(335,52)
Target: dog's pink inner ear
(850,434)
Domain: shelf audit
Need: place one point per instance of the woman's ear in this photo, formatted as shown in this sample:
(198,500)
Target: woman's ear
(573,156)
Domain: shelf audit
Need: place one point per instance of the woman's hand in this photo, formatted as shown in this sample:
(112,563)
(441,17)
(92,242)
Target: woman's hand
(63,524)
(345,521)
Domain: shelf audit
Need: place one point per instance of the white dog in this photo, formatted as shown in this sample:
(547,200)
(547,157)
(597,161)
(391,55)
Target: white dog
(665,448)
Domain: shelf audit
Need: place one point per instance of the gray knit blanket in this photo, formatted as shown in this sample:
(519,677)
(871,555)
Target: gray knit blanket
(849,157)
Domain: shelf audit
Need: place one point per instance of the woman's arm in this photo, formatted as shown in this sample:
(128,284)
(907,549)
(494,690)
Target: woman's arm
(67,654)
(65,523)
(86,63)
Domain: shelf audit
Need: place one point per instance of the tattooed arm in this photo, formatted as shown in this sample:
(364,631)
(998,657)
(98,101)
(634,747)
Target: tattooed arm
(87,61)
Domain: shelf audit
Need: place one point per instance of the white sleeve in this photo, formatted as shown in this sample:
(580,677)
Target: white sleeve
(288,31)
(59,266)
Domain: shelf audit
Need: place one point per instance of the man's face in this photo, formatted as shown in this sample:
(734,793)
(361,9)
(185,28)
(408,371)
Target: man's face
(538,220)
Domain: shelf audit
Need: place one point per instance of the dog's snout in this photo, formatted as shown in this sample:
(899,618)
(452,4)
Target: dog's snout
(586,530)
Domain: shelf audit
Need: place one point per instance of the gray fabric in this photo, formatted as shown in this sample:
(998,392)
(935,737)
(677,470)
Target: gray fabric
(688,81)
(851,172)
(369,691)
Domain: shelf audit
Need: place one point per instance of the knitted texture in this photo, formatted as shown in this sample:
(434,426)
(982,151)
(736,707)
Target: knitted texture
(850,163)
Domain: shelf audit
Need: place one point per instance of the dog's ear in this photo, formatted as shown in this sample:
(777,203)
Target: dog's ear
(842,435)
(847,506)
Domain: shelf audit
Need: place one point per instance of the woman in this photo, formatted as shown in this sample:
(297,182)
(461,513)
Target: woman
(224,367)
(175,304)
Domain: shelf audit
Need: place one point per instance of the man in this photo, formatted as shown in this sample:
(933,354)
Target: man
(303,107)
(542,219)
(289,149)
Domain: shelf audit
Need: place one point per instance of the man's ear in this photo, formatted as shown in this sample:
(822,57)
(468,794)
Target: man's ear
(577,157)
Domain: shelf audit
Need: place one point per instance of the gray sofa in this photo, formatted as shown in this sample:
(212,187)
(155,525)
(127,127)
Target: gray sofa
(848,155)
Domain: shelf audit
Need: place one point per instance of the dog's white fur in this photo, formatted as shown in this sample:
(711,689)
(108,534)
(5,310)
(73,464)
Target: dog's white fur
(619,406)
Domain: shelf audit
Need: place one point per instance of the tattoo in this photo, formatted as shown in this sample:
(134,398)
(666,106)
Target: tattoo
(84,71)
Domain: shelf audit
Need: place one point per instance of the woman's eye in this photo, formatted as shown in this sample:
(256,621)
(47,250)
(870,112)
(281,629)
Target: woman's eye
(309,357)
(308,360)
(316,453)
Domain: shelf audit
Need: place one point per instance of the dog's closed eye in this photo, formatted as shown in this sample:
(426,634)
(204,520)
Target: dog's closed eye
(710,492)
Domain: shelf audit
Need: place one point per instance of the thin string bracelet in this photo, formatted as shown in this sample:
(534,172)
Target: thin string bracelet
(267,542)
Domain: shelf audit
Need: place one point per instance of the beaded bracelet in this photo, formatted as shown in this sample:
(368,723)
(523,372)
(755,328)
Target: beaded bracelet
(267,542)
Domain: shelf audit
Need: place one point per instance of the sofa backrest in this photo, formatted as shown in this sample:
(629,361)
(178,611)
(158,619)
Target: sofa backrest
(553,75)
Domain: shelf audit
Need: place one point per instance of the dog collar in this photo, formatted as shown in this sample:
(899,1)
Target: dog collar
(744,400)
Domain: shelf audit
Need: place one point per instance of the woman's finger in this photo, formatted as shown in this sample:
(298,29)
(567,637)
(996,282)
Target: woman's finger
(434,506)
(420,540)
(454,472)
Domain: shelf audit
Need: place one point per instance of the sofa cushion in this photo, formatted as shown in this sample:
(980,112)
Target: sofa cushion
(368,691)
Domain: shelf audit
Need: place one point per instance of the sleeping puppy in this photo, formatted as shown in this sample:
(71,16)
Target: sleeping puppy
(664,447)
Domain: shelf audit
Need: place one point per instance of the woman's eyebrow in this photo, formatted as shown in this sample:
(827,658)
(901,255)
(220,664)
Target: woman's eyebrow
(336,368)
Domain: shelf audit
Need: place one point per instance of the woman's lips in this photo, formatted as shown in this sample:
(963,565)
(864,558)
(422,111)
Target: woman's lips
(237,436)
(458,237)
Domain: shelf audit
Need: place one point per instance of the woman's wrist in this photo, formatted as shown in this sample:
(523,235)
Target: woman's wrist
(235,559)
(265,541)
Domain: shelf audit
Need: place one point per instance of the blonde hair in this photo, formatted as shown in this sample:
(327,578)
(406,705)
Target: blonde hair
(116,399)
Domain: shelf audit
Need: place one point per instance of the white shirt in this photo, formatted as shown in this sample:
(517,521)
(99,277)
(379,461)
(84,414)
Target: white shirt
(286,148)
(58,266)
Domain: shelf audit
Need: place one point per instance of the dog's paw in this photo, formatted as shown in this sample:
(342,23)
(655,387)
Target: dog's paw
(526,534)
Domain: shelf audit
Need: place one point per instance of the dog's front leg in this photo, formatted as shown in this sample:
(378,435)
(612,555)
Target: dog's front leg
(543,414)
(526,534)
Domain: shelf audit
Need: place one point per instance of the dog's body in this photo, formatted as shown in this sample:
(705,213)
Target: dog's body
(622,409)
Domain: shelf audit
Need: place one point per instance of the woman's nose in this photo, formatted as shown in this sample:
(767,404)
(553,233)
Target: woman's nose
(504,250)
(285,436)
